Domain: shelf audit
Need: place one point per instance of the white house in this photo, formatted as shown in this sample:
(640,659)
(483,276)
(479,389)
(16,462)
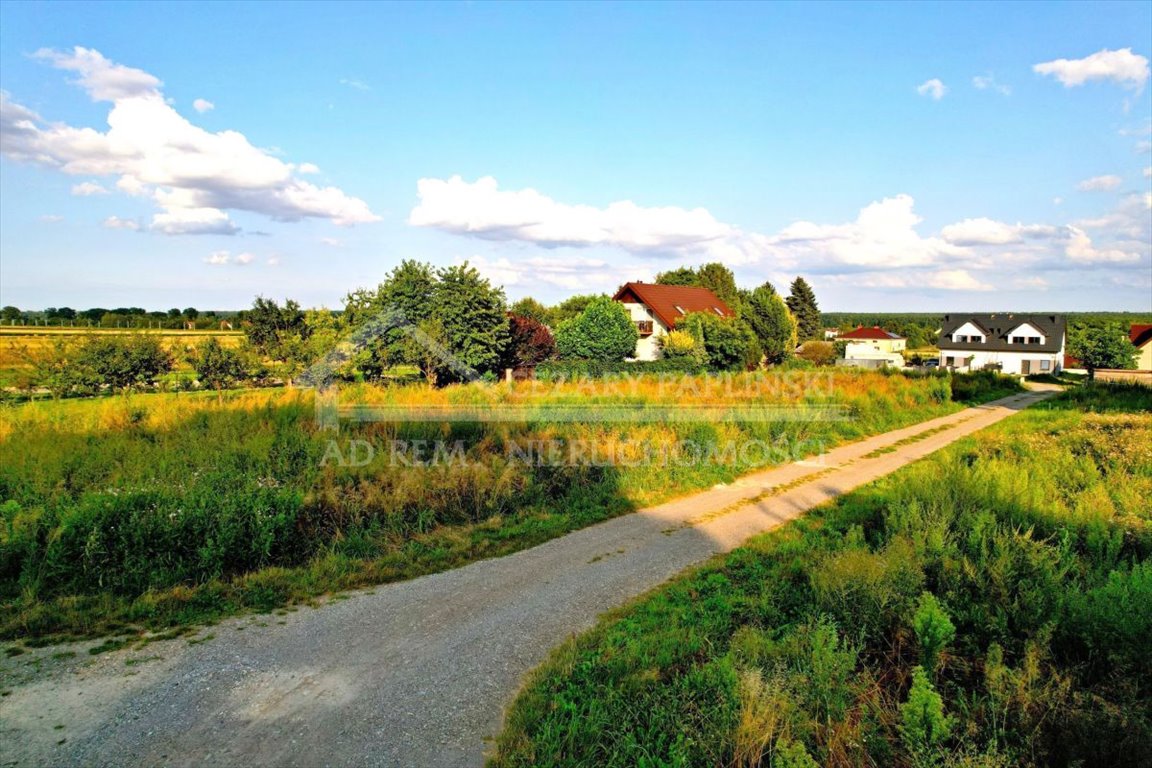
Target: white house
(873,346)
(657,308)
(1019,344)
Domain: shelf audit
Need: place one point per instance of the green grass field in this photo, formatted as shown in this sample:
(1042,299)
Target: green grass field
(990,605)
(152,511)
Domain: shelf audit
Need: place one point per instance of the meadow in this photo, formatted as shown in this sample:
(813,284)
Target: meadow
(990,605)
(20,345)
(124,514)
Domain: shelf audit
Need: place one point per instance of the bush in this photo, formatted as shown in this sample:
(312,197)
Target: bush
(983,386)
(529,342)
(604,332)
(676,345)
(728,343)
(570,370)
(818,352)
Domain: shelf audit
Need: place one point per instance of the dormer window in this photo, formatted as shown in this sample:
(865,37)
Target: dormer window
(1033,339)
(680,309)
(1017,339)
(976,339)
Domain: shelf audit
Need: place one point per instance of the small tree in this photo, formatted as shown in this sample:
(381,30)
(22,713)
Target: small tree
(603,331)
(818,352)
(471,311)
(934,630)
(217,367)
(923,724)
(802,302)
(529,342)
(1104,347)
(570,308)
(771,322)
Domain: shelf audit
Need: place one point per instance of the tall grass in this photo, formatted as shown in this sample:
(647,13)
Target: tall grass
(157,509)
(988,606)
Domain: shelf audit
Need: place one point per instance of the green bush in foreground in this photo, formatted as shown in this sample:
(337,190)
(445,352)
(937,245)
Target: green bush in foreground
(988,606)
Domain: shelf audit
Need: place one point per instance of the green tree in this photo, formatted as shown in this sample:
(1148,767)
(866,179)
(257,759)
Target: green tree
(1104,346)
(191,313)
(125,361)
(678,276)
(57,367)
(217,367)
(923,724)
(771,322)
(802,302)
(603,331)
(272,329)
(719,279)
(570,308)
(728,342)
(9,314)
(529,307)
(471,312)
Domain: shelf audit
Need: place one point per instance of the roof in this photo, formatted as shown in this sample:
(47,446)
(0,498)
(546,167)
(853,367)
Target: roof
(1140,334)
(875,332)
(998,325)
(669,303)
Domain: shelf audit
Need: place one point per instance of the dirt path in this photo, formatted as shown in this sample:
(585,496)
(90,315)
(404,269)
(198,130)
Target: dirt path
(415,673)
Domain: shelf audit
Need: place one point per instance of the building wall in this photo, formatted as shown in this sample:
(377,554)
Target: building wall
(1144,362)
(1010,362)
(647,347)
(874,348)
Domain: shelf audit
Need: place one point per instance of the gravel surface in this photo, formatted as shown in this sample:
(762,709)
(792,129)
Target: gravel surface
(415,673)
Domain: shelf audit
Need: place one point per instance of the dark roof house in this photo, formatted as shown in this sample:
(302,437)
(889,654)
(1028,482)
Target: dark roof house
(1001,328)
(669,303)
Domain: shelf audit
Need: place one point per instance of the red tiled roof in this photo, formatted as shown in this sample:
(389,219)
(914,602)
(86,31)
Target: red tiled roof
(1140,334)
(667,301)
(1071,362)
(875,332)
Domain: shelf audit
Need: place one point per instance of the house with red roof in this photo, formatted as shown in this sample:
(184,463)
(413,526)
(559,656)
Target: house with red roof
(656,309)
(873,347)
(1141,337)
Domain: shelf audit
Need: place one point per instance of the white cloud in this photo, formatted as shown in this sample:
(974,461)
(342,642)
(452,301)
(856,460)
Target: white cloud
(51,218)
(941,280)
(273,261)
(933,88)
(1080,249)
(218,258)
(1031,283)
(1148,172)
(203,105)
(1122,66)
(1057,201)
(115,222)
(308,168)
(882,236)
(567,273)
(984,231)
(352,82)
(193,175)
(88,188)
(1100,183)
(483,210)
(988,82)
(1143,147)
(244,258)
(332,242)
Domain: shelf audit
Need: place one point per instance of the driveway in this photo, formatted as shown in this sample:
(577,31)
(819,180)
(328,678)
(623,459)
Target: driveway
(416,673)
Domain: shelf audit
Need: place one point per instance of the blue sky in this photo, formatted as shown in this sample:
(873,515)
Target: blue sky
(899,156)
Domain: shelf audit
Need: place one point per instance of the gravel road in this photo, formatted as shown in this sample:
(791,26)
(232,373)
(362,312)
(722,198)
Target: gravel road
(409,674)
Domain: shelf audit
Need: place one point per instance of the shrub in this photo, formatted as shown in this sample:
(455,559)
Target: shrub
(771,322)
(727,342)
(125,361)
(933,629)
(923,724)
(604,331)
(676,345)
(529,342)
(818,352)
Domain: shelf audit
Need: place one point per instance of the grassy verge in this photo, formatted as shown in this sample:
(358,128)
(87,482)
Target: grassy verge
(987,606)
(152,512)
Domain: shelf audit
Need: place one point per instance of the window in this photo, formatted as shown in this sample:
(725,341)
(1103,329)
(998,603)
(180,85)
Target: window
(960,339)
(1017,339)
(976,339)
(1033,339)
(949,361)
(717,311)
(1045,365)
(680,309)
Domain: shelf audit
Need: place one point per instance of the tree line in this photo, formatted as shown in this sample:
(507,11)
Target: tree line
(443,325)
